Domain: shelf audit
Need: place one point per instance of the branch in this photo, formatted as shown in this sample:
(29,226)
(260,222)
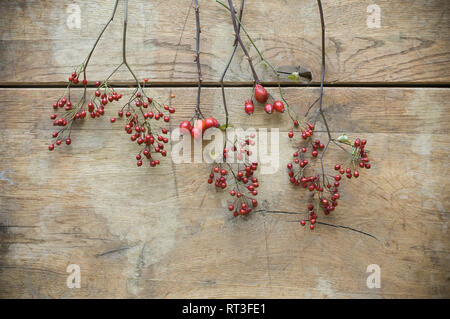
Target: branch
(226,70)
(98,38)
(197,58)
(317,222)
(349,228)
(124,42)
(238,38)
(263,59)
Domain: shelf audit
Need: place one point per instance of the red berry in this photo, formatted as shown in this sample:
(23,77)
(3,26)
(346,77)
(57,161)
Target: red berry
(249,107)
(261,94)
(113,119)
(279,106)
(356,174)
(209,122)
(268,108)
(185,125)
(291,135)
(51,147)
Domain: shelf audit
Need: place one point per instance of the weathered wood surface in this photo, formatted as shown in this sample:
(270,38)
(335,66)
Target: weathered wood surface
(412,45)
(140,232)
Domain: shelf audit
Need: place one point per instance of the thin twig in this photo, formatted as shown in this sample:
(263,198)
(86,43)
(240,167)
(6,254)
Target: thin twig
(99,36)
(263,59)
(317,222)
(349,228)
(238,37)
(225,72)
(197,58)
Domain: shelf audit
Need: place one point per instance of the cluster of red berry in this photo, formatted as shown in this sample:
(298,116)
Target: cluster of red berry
(73,112)
(297,177)
(102,96)
(143,116)
(139,111)
(74,78)
(245,183)
(261,95)
(199,126)
(327,192)
(244,149)
(306,131)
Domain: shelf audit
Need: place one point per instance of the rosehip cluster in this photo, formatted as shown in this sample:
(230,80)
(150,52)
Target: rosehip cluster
(327,192)
(297,177)
(261,95)
(245,183)
(102,96)
(307,130)
(200,126)
(243,150)
(143,115)
(75,111)
(74,78)
(243,190)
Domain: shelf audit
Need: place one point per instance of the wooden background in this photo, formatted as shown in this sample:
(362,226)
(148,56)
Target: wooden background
(164,233)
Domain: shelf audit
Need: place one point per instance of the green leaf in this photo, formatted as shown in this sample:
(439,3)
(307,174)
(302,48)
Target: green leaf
(294,76)
(223,127)
(344,139)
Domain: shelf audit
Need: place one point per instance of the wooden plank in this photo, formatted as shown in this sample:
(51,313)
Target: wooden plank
(138,232)
(359,110)
(37,46)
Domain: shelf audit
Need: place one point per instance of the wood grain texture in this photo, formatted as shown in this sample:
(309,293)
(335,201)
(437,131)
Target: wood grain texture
(412,45)
(140,232)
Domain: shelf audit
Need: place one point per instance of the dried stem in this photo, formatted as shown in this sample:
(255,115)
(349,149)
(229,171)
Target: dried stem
(198,112)
(292,114)
(322,78)
(124,42)
(349,228)
(98,38)
(317,222)
(235,45)
(238,38)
